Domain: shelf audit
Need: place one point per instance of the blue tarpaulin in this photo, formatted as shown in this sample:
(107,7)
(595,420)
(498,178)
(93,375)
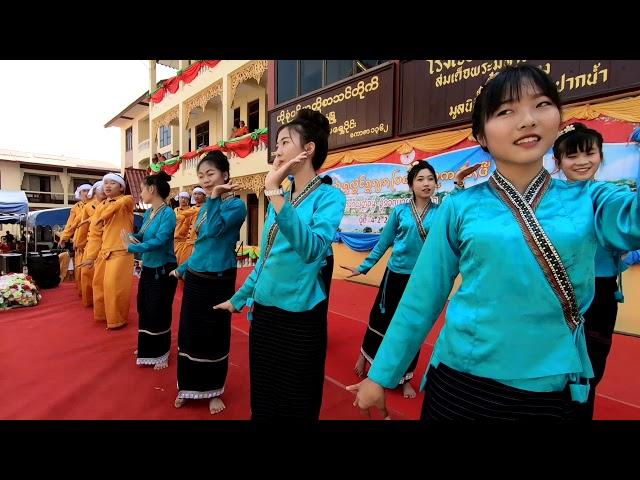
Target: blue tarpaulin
(359,242)
(50,217)
(13,201)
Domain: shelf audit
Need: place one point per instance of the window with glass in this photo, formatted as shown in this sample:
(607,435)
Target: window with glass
(253,115)
(295,78)
(129,139)
(164,135)
(202,135)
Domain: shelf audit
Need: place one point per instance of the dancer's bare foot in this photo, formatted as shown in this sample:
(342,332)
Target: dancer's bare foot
(360,364)
(161,365)
(116,327)
(407,390)
(216,405)
(179,402)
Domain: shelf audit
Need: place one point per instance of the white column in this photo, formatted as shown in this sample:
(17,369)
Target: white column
(261,200)
(64,179)
(227,113)
(152,88)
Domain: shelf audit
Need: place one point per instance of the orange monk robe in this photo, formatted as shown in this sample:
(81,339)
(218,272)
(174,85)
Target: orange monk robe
(187,246)
(92,252)
(117,215)
(70,230)
(184,216)
(63,260)
(82,232)
(241,131)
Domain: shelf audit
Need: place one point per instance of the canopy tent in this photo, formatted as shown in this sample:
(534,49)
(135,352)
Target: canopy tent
(50,217)
(13,201)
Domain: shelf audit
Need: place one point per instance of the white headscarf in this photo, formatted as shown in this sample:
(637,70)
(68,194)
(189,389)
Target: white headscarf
(96,186)
(182,195)
(84,186)
(193,195)
(114,177)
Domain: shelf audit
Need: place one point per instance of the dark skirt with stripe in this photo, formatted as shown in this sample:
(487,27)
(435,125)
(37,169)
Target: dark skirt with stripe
(384,307)
(327,274)
(287,352)
(156,290)
(205,334)
(599,322)
(450,395)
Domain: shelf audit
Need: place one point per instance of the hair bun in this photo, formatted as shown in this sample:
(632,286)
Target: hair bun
(317,118)
(164,176)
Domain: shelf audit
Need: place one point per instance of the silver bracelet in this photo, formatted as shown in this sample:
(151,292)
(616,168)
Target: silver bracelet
(271,193)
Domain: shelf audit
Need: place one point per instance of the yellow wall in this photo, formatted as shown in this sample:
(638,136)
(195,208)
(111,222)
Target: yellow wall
(219,127)
(10,176)
(220,123)
(246,93)
(140,128)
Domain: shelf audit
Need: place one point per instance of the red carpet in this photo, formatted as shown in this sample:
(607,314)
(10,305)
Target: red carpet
(59,364)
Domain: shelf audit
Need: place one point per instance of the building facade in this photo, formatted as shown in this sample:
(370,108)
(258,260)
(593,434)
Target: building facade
(49,181)
(185,116)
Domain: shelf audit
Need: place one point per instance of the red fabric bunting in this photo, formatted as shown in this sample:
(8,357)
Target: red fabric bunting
(191,73)
(159,95)
(242,148)
(171,169)
(210,148)
(172,84)
(189,155)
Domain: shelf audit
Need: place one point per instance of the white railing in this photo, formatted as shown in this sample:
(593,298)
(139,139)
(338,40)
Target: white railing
(203,70)
(191,164)
(34,196)
(144,145)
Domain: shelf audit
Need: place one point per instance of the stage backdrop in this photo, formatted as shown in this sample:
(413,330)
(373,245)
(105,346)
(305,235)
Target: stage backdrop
(373,189)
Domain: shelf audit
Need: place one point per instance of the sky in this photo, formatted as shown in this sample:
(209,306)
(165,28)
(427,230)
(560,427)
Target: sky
(60,107)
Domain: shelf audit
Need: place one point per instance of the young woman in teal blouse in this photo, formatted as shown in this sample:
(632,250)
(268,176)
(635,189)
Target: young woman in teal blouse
(513,343)
(406,230)
(578,153)
(285,292)
(209,275)
(157,287)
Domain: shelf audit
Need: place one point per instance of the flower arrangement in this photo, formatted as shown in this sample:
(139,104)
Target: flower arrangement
(18,290)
